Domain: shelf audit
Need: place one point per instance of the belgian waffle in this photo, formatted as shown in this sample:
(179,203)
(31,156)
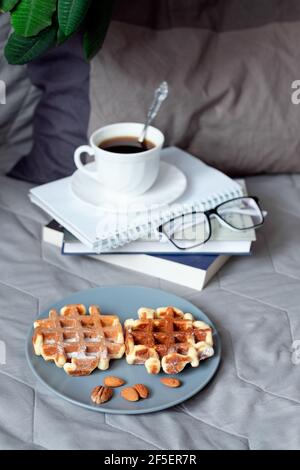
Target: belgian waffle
(167,338)
(78,342)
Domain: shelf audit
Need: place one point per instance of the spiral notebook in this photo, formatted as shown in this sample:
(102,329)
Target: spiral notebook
(207,187)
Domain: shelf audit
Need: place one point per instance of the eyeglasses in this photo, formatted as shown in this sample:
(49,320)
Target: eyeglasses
(195,228)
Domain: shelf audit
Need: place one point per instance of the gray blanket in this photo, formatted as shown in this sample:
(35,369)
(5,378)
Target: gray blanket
(253,402)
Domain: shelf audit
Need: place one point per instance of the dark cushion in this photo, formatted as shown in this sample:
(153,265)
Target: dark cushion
(62,115)
(16,114)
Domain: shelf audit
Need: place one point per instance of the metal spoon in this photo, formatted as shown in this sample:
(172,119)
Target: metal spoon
(160,95)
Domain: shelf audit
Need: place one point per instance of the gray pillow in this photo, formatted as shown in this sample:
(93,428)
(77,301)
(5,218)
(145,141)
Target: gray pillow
(230,66)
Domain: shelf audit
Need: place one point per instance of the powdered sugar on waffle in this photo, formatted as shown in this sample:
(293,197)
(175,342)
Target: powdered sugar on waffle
(78,342)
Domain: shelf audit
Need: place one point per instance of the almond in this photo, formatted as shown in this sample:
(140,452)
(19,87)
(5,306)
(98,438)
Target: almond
(170,382)
(130,394)
(113,382)
(101,394)
(142,390)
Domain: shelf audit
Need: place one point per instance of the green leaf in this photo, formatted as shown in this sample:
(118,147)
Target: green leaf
(98,21)
(61,37)
(8,5)
(20,50)
(32,16)
(71,13)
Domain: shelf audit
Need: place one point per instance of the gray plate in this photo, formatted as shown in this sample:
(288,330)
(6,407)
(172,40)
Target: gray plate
(124,301)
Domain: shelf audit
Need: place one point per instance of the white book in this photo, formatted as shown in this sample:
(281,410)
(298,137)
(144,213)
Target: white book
(193,271)
(239,244)
(194,275)
(207,187)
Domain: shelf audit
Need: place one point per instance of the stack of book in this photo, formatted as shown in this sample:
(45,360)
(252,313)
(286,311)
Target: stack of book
(80,229)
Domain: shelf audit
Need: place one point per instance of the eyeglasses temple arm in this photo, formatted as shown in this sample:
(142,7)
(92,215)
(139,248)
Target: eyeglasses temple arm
(241,211)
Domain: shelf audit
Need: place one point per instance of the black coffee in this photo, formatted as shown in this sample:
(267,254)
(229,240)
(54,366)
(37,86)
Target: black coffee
(126,144)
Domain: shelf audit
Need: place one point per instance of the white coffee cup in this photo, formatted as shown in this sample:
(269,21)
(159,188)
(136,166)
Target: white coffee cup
(128,174)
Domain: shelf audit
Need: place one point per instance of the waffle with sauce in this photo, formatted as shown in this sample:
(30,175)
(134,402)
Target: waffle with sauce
(167,338)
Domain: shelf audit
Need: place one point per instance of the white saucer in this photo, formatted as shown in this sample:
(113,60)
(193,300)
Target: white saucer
(169,186)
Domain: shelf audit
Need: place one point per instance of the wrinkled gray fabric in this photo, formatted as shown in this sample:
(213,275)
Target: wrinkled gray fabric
(253,401)
(230,66)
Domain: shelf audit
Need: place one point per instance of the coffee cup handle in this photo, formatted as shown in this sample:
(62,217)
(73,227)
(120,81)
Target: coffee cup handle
(77,159)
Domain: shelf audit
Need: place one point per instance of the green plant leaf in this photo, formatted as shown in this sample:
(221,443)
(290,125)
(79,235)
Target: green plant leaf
(8,5)
(71,13)
(98,20)
(32,16)
(61,37)
(20,50)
